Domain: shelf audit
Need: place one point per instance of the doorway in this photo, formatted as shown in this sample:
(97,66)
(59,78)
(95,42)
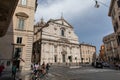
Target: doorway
(55,58)
(16,57)
(63,58)
(70,58)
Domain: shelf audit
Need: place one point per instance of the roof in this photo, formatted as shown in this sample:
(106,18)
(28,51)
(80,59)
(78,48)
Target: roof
(61,21)
(85,44)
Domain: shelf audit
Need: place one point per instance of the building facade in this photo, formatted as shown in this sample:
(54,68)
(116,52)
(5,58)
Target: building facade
(111,47)
(88,53)
(102,53)
(56,42)
(114,13)
(17,43)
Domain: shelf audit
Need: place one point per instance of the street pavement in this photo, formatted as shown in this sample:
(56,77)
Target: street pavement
(85,73)
(6,76)
(58,72)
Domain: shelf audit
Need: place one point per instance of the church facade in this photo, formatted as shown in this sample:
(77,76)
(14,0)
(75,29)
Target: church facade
(55,42)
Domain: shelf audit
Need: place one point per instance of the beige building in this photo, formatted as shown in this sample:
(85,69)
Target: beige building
(114,13)
(102,53)
(88,53)
(55,42)
(110,43)
(17,43)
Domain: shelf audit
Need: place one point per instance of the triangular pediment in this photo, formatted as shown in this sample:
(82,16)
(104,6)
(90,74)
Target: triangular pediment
(62,22)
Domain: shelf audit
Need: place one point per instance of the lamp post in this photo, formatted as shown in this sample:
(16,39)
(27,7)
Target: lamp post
(97,4)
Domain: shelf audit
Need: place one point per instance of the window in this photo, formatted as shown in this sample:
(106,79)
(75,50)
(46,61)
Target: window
(21,23)
(113,13)
(55,28)
(112,16)
(62,32)
(69,32)
(17,53)
(118,40)
(118,2)
(19,40)
(23,2)
(116,27)
(21,16)
(8,63)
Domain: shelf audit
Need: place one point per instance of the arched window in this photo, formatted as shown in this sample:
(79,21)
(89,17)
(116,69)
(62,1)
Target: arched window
(62,32)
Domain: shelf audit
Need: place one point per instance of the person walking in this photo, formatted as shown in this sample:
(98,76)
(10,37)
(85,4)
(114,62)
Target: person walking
(47,68)
(43,70)
(14,69)
(36,67)
(1,68)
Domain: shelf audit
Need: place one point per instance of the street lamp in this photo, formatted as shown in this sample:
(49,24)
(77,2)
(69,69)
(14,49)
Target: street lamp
(97,4)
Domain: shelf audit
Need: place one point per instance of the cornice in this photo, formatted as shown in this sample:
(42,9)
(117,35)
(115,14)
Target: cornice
(111,7)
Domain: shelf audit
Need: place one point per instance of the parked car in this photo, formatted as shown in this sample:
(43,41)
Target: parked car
(98,64)
(105,64)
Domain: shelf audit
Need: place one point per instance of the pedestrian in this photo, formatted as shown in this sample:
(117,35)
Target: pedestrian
(43,70)
(47,67)
(43,65)
(36,67)
(32,66)
(1,68)
(14,68)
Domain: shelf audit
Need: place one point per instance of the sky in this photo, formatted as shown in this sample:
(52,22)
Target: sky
(90,24)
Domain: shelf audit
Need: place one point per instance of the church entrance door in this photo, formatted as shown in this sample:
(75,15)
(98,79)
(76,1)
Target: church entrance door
(63,58)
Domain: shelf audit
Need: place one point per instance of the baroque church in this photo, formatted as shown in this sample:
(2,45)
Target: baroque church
(55,42)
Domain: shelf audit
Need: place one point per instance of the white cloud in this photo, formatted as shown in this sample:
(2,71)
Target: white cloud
(68,7)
